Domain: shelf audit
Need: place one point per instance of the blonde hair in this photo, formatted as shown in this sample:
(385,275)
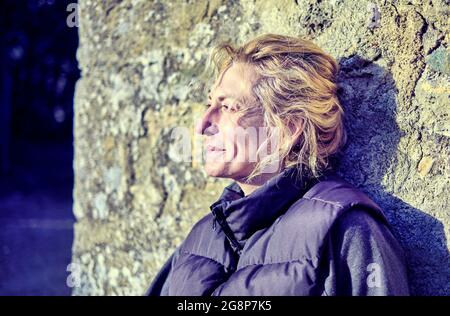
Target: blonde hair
(296,83)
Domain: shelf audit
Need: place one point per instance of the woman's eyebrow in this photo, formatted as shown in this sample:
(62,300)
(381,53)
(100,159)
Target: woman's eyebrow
(222,97)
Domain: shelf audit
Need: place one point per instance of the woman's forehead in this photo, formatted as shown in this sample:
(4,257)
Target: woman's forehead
(235,82)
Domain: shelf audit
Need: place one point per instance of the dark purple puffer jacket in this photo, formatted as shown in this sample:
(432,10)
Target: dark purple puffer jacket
(289,237)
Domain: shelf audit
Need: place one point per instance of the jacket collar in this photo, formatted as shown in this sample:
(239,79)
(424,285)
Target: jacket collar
(240,216)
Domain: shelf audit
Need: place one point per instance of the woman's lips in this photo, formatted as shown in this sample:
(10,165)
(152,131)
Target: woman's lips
(210,148)
(214,153)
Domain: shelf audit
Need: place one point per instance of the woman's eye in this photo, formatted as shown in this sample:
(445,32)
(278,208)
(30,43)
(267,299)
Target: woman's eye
(228,108)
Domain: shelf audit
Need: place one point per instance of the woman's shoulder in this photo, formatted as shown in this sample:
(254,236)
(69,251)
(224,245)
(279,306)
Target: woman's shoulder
(333,189)
(330,202)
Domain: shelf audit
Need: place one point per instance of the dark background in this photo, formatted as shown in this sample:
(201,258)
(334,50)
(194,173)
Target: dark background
(38,71)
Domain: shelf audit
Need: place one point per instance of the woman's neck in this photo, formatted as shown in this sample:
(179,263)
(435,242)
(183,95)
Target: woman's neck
(249,187)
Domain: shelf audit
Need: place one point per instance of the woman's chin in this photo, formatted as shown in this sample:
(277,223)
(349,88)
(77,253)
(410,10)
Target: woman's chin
(214,169)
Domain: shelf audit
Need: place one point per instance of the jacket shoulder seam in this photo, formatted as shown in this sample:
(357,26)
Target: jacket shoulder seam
(185,252)
(324,201)
(298,260)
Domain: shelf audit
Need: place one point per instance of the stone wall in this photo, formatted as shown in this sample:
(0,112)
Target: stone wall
(133,201)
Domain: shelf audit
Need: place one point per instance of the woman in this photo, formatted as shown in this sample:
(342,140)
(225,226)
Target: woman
(287,225)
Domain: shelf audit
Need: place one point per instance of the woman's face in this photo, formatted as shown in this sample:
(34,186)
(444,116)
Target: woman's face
(230,146)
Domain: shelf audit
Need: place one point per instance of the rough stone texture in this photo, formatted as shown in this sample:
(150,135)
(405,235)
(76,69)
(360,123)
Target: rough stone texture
(134,202)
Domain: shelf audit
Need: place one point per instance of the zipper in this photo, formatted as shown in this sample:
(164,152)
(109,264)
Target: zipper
(220,219)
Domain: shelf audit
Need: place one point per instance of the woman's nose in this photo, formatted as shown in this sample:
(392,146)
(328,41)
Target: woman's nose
(205,126)
(199,127)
